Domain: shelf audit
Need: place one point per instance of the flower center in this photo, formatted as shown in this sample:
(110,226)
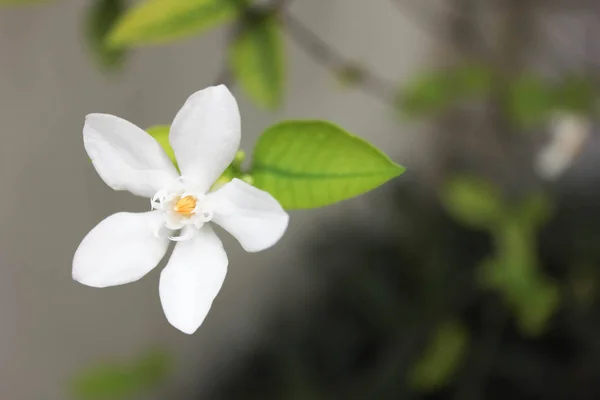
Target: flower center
(181,207)
(185,206)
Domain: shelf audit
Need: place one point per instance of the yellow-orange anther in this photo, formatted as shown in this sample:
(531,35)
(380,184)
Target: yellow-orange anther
(186,205)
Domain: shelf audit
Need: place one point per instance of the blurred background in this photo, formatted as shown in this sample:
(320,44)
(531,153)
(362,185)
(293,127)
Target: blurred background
(472,276)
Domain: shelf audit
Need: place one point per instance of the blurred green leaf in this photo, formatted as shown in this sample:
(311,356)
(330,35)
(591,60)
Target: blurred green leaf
(309,164)
(530,101)
(257,61)
(537,306)
(471,80)
(114,381)
(101,18)
(514,265)
(441,358)
(435,91)
(106,382)
(427,94)
(514,270)
(530,295)
(472,201)
(160,21)
(535,210)
(153,367)
(576,94)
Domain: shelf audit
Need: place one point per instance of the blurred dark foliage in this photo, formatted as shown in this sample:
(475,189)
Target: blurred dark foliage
(384,295)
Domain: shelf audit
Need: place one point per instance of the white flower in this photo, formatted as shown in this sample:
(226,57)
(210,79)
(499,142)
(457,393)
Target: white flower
(569,133)
(124,247)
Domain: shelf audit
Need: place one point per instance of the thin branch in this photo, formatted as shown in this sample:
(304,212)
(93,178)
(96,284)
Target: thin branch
(333,60)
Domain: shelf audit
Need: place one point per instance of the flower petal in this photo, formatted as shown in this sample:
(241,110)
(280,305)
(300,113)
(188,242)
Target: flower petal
(120,249)
(205,135)
(125,156)
(251,215)
(192,278)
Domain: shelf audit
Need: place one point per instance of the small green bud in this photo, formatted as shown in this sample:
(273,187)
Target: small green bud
(350,75)
(248,179)
(239,158)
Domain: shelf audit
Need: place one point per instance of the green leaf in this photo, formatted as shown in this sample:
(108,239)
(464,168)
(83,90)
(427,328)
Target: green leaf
(473,79)
(535,210)
(309,164)
(114,381)
(530,101)
(441,358)
(576,94)
(436,91)
(537,306)
(428,94)
(160,21)
(153,367)
(514,271)
(100,20)
(473,201)
(105,382)
(257,61)
(161,134)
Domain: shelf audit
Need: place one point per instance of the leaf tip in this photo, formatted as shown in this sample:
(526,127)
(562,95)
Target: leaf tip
(115,40)
(396,170)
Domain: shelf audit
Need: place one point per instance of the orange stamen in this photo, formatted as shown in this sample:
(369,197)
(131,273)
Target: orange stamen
(186,205)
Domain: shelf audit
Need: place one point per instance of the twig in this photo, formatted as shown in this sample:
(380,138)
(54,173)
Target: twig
(330,58)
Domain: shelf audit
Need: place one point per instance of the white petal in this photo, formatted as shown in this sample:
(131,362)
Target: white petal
(205,135)
(569,136)
(121,249)
(551,162)
(192,278)
(125,156)
(251,215)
